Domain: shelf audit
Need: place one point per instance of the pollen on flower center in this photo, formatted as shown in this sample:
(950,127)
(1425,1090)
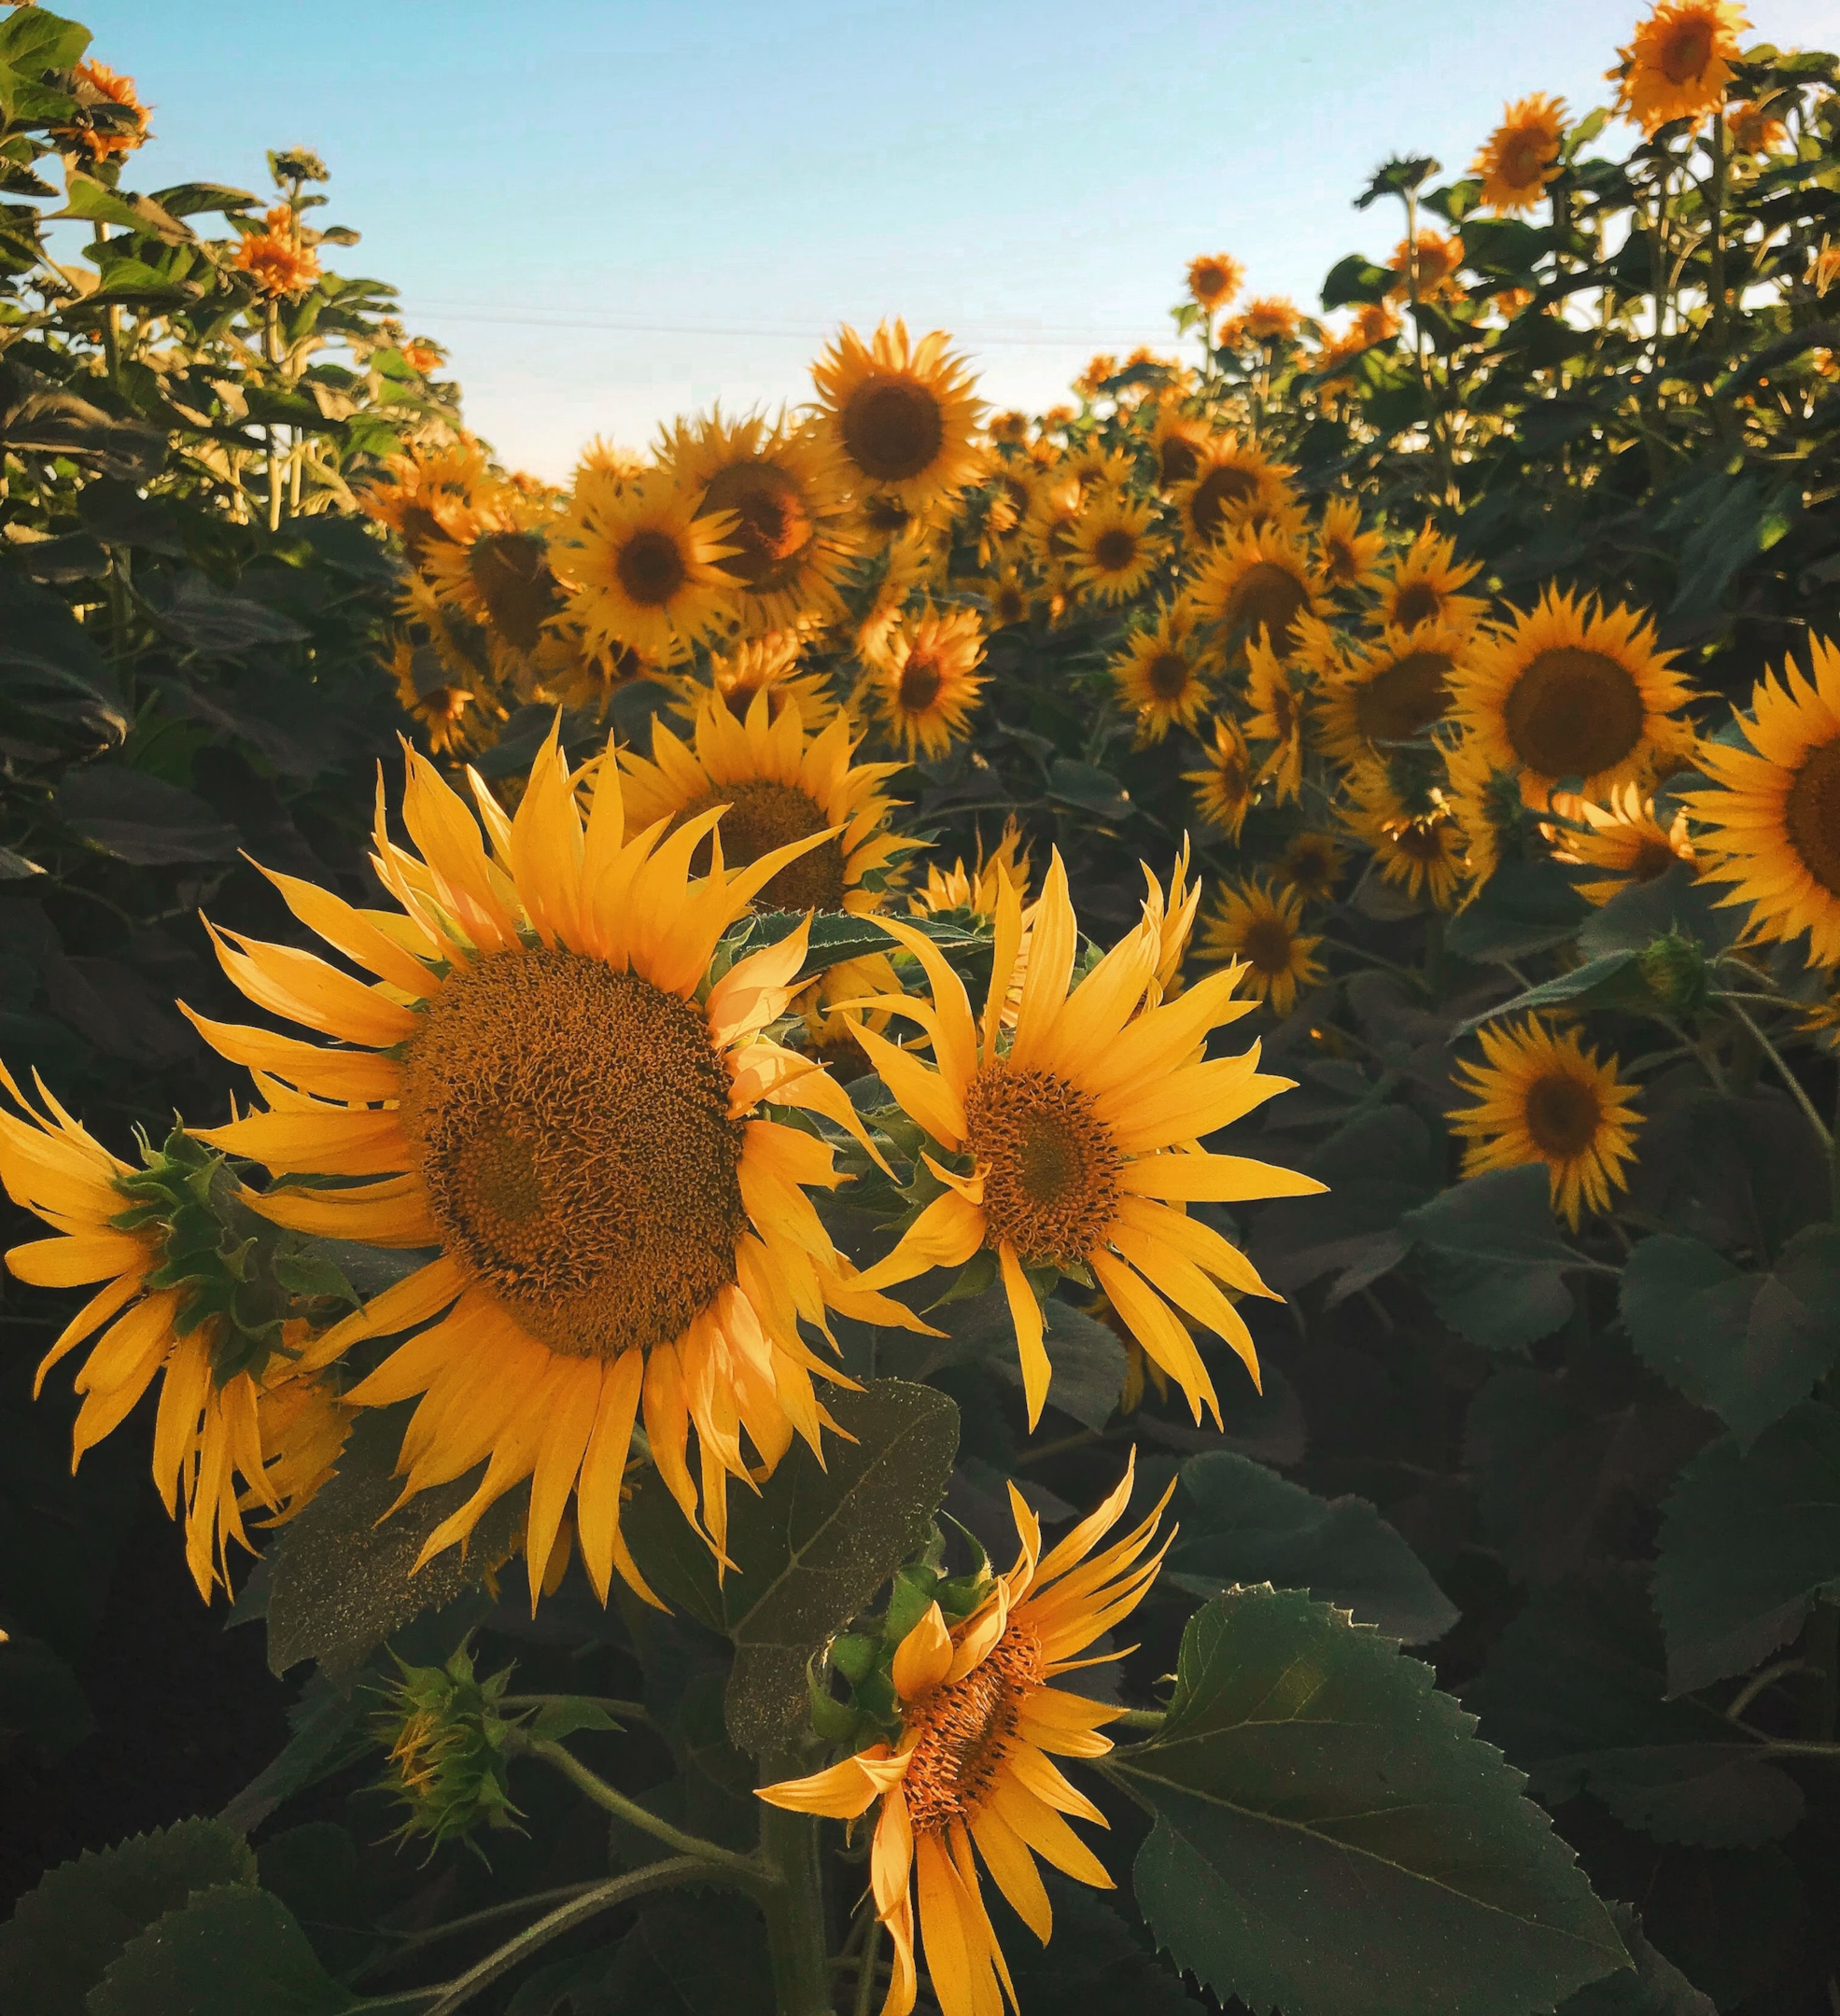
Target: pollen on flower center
(920,681)
(1811,813)
(773,526)
(966,1729)
(1417,603)
(893,429)
(1050,1164)
(1267,597)
(650,568)
(762,815)
(1409,695)
(1573,713)
(573,1128)
(1267,946)
(1563,1114)
(1167,674)
(1114,549)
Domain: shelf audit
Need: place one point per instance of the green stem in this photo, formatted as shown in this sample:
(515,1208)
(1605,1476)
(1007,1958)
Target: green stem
(794,1906)
(1149,1719)
(413,1942)
(1821,1648)
(1787,1077)
(866,1970)
(1715,226)
(634,1711)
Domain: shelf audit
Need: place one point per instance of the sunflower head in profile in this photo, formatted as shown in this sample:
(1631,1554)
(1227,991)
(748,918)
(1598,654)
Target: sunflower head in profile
(1276,714)
(425,691)
(1225,787)
(975,888)
(1311,864)
(967,1772)
(1522,155)
(1011,599)
(428,498)
(1176,441)
(781,787)
(1623,841)
(1427,267)
(1164,673)
(1115,549)
(111,120)
(1234,480)
(1415,839)
(641,566)
(902,416)
(1755,129)
(496,570)
(1680,63)
(1425,583)
(1213,279)
(1541,1096)
(930,682)
(462,657)
(1571,690)
(792,529)
(1387,689)
(1259,927)
(1054,516)
(769,665)
(544,1075)
(1257,585)
(1772,827)
(1484,798)
(1012,486)
(1348,557)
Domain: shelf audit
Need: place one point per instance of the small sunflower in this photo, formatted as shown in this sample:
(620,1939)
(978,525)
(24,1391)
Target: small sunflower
(1054,517)
(1225,790)
(1256,584)
(1114,549)
(976,888)
(1484,798)
(931,682)
(1176,442)
(1256,925)
(1422,587)
(1420,848)
(428,498)
(1349,558)
(1011,599)
(276,257)
(1754,129)
(1522,155)
(425,692)
(1099,471)
(1213,279)
(1543,1098)
(1311,864)
(642,567)
(1625,841)
(1013,484)
(496,570)
(1163,674)
(903,418)
(1234,480)
(1772,829)
(122,126)
(1571,690)
(1271,318)
(1390,689)
(460,646)
(1430,263)
(1276,715)
(766,664)
(1680,63)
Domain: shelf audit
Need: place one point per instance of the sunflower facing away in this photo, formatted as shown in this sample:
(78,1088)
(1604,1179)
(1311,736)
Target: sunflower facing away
(780,787)
(1224,791)
(643,566)
(930,682)
(1571,690)
(548,1082)
(1075,1143)
(1256,585)
(1163,673)
(1389,689)
(1232,482)
(1544,1098)
(1213,279)
(1259,925)
(1625,842)
(1680,63)
(1771,830)
(122,127)
(981,1723)
(425,691)
(1420,848)
(1115,550)
(1176,441)
(903,417)
(1424,587)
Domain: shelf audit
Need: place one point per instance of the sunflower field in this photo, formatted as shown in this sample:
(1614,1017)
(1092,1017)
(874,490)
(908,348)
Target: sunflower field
(919,1210)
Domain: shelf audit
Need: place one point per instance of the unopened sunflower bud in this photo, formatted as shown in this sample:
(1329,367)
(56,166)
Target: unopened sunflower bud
(449,1751)
(1676,971)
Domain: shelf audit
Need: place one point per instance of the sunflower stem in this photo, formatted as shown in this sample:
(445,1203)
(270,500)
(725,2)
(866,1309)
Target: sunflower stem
(866,1967)
(794,1905)
(1788,1078)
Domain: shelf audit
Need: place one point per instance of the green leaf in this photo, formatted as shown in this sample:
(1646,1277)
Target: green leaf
(48,663)
(1093,1964)
(85,197)
(1492,1260)
(1355,278)
(1748,1539)
(1654,1987)
(142,818)
(1244,1524)
(230,1951)
(195,199)
(1089,789)
(327,1732)
(1503,247)
(1613,981)
(809,1551)
(1329,1836)
(207,620)
(1746,1346)
(1524,907)
(64,1934)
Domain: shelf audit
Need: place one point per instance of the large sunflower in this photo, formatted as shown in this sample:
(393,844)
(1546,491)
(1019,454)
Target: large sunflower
(1522,155)
(1773,829)
(1571,690)
(1224,791)
(1623,841)
(929,682)
(1075,1144)
(903,417)
(1679,61)
(980,1726)
(1420,847)
(1544,1098)
(1256,584)
(780,787)
(1233,481)
(547,1083)
(1423,585)
(1257,926)
(1162,674)
(643,566)
(1114,549)
(1388,690)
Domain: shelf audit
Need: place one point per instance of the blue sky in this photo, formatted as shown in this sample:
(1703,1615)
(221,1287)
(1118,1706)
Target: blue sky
(614,213)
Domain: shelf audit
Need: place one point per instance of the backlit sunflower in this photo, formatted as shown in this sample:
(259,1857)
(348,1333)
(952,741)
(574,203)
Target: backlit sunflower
(1428,263)
(792,532)
(1114,549)
(1256,584)
(1176,441)
(1100,471)
(1522,155)
(1233,481)
(1163,673)
(461,648)
(1626,841)
(1076,1144)
(781,786)
(1419,848)
(548,1082)
(1544,1098)
(1570,690)
(1422,587)
(1225,790)
(1213,279)
(1271,318)
(1054,516)
(1349,558)
(122,126)
(1012,486)
(1311,864)
(1754,129)
(1389,689)
(643,566)
(903,417)
(276,257)
(429,497)
(1680,63)
(1773,828)
(1276,715)
(496,570)
(931,682)
(981,1723)
(766,664)
(1256,924)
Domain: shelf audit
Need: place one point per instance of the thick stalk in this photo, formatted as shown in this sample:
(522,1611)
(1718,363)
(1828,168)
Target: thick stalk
(272,348)
(866,1970)
(1821,1648)
(794,1906)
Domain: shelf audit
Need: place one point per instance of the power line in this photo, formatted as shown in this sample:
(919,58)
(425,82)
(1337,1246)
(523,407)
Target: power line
(1039,339)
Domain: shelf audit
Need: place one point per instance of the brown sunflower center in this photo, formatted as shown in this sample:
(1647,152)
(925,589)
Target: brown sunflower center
(921,677)
(967,1729)
(573,1131)
(650,568)
(893,427)
(1267,597)
(773,527)
(515,582)
(1217,494)
(1267,946)
(421,529)
(1417,602)
(1522,159)
(1209,283)
(1340,560)
(1167,674)
(1562,1114)
(1573,713)
(1652,859)
(1685,51)
(1114,549)
(1050,1164)
(763,814)
(1422,840)
(1177,459)
(1811,814)
(1409,695)
(1310,868)
(1009,604)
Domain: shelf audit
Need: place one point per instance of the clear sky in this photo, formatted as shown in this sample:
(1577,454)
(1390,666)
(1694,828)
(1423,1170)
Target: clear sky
(611,212)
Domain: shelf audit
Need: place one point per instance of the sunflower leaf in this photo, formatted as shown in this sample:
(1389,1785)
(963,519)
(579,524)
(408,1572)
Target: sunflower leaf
(229,1950)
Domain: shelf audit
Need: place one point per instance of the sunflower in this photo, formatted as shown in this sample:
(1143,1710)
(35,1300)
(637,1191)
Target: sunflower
(1213,279)
(1428,263)
(1754,129)
(1419,849)
(1176,442)
(1422,586)
(495,568)
(1256,924)
(1773,828)
(1075,1145)
(1010,429)
(1680,63)
(1226,788)
(642,567)
(780,787)
(543,1084)
(122,127)
(766,664)
(569,671)
(1231,481)
(793,534)
(1054,517)
(1113,550)
(1571,690)
(1276,716)
(903,418)
(1011,601)
(1013,486)
(1256,585)
(1544,1098)
(1271,318)
(425,692)
(1522,155)
(428,498)
(931,682)
(1486,800)
(830,1015)
(1626,841)
(1162,675)
(976,888)
(1388,690)
(462,649)
(1311,864)
(276,257)
(1347,556)
(980,1726)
